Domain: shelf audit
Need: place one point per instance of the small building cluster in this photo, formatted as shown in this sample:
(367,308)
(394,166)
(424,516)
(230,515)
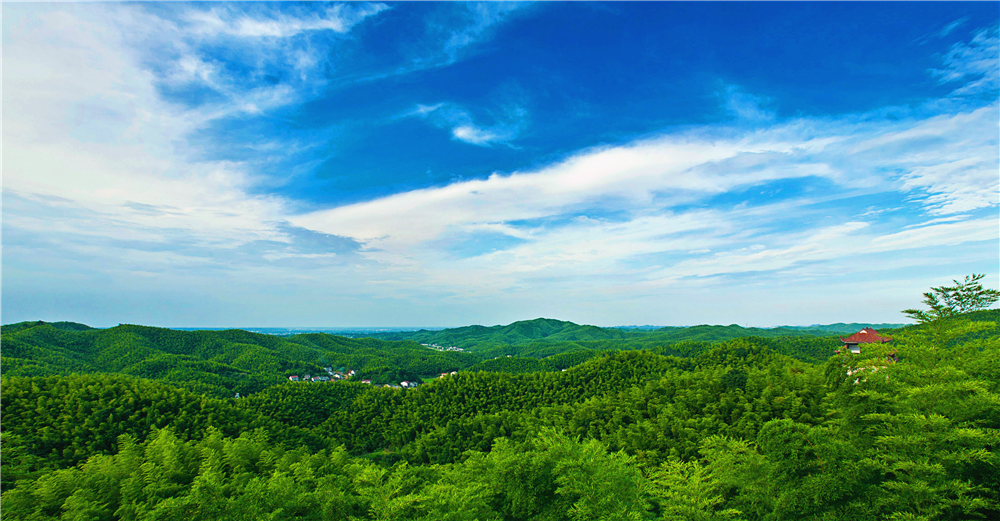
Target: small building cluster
(333,376)
(443,348)
(330,376)
(402,385)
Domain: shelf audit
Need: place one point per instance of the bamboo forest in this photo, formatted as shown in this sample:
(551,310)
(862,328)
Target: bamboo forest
(537,420)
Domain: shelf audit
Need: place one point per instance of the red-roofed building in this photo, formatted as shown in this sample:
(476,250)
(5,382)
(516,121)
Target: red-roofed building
(865,336)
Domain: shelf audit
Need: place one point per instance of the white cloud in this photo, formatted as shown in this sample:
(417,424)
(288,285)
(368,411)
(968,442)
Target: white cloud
(833,242)
(745,106)
(84,124)
(481,17)
(952,26)
(474,135)
(278,62)
(977,63)
(463,128)
(652,184)
(950,160)
(268,22)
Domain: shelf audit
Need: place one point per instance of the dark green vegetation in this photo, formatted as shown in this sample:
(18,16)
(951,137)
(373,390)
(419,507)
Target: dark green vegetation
(544,337)
(743,428)
(841,328)
(215,363)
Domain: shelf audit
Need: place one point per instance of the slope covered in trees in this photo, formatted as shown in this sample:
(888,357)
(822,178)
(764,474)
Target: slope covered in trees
(218,363)
(689,430)
(736,432)
(542,337)
(223,363)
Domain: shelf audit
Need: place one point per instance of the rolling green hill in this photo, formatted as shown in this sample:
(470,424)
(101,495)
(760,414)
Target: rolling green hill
(755,431)
(525,331)
(690,429)
(551,331)
(842,328)
(222,363)
(542,338)
(218,363)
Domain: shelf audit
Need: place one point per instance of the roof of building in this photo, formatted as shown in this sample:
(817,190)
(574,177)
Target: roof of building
(866,336)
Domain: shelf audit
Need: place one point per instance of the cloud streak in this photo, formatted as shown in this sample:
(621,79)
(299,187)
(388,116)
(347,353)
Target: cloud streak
(975,62)
(91,134)
(481,17)
(268,22)
(273,55)
(463,127)
(654,183)
(745,106)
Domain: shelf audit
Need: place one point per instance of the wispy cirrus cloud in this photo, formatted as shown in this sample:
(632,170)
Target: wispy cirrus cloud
(650,187)
(975,62)
(92,132)
(947,162)
(481,17)
(249,58)
(463,127)
(265,21)
(952,26)
(744,105)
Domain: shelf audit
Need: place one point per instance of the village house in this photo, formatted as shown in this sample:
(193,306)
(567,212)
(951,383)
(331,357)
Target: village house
(865,336)
(852,344)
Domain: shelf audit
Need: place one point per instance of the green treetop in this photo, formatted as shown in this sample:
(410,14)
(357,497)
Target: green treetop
(946,301)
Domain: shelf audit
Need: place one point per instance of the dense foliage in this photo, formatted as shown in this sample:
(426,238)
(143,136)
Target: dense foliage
(545,337)
(216,363)
(737,429)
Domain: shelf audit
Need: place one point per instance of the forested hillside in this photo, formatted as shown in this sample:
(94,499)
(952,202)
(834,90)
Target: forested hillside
(842,328)
(222,363)
(217,363)
(737,429)
(544,337)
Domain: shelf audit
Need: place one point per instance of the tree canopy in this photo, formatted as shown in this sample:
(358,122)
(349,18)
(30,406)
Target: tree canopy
(730,430)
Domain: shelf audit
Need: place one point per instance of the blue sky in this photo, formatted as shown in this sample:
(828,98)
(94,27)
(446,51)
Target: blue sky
(443,164)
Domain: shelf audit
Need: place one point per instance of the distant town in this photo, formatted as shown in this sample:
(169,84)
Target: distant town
(443,348)
(337,375)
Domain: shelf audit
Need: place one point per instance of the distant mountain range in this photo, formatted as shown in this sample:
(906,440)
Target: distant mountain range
(526,329)
(547,330)
(221,363)
(841,327)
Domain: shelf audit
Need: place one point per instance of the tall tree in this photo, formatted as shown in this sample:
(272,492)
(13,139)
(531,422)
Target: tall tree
(947,301)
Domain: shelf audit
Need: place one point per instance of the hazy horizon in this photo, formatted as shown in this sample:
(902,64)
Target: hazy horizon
(437,328)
